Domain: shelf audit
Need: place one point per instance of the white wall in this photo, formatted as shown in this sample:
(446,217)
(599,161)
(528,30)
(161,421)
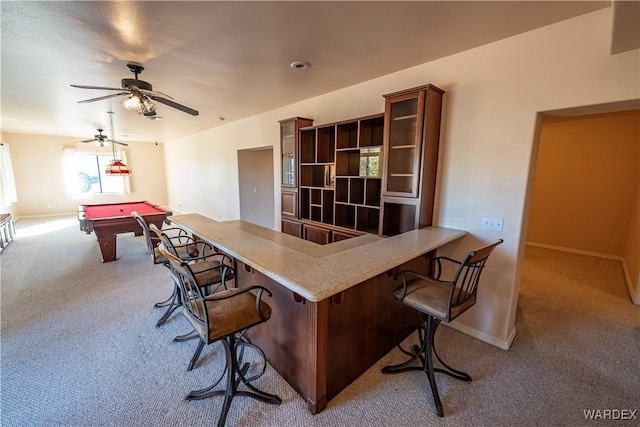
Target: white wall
(38,168)
(488,142)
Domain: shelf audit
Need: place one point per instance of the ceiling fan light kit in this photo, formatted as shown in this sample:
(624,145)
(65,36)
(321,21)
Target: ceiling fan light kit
(131,103)
(141,104)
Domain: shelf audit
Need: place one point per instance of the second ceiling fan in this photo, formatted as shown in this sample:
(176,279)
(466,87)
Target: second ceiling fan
(100,139)
(140,94)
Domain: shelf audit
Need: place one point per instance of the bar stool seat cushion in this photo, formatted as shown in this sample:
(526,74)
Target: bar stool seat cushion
(432,297)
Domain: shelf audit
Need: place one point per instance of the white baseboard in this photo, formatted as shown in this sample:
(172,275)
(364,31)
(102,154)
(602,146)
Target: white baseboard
(175,211)
(627,277)
(635,298)
(489,339)
(575,251)
(16,218)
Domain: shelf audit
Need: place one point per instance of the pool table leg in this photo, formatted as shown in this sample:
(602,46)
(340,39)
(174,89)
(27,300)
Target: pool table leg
(108,248)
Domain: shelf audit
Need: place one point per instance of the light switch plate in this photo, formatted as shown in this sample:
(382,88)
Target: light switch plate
(495,224)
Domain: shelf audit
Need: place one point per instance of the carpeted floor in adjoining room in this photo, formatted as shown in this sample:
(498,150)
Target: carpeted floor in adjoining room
(79,348)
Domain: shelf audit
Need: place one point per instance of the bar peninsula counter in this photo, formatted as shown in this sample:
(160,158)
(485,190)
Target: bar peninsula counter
(333,310)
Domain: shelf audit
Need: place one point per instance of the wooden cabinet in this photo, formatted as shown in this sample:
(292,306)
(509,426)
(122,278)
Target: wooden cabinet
(373,174)
(316,232)
(318,235)
(338,235)
(291,227)
(411,140)
(289,164)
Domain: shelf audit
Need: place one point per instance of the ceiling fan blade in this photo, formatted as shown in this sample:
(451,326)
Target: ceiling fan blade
(89,140)
(97,87)
(102,97)
(151,93)
(175,105)
(118,142)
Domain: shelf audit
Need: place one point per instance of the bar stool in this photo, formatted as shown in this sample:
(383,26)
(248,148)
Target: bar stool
(212,269)
(179,238)
(436,301)
(224,316)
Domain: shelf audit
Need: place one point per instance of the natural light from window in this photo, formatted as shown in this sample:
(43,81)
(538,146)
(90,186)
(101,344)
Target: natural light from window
(44,228)
(92,178)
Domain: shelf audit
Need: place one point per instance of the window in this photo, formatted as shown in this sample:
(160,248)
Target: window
(370,161)
(86,173)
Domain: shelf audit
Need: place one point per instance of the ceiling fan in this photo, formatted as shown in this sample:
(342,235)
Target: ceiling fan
(140,94)
(101,139)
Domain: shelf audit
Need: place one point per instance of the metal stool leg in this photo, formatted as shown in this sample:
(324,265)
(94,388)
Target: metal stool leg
(175,302)
(196,355)
(235,375)
(423,353)
(431,326)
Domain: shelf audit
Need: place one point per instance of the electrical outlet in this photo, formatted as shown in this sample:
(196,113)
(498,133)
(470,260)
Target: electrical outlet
(495,224)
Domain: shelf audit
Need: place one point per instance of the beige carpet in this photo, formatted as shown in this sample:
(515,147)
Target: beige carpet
(79,348)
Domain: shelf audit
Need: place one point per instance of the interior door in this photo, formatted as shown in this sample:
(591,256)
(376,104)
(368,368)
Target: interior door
(255,169)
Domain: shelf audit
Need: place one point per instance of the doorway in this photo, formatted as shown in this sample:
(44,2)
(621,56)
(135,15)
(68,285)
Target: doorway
(585,189)
(255,170)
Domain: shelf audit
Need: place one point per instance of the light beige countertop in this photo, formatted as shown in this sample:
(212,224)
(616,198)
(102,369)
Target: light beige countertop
(314,271)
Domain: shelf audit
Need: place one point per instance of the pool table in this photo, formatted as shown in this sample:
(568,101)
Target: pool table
(109,219)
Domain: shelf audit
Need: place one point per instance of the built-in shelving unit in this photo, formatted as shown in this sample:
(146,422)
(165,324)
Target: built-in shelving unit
(341,173)
(373,174)
(317,173)
(359,173)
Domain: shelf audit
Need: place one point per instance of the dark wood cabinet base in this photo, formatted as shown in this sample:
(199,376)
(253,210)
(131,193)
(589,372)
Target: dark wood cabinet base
(320,348)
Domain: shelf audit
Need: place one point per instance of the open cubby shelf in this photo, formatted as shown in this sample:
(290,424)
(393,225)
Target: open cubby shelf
(332,190)
(368,219)
(345,215)
(308,146)
(316,204)
(326,145)
(348,163)
(358,190)
(347,135)
(373,189)
(372,132)
(398,218)
(318,175)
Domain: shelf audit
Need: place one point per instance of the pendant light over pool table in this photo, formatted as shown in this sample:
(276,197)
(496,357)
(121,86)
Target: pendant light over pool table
(116,167)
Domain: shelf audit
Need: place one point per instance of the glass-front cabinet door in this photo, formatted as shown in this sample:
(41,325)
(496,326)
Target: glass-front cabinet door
(403,124)
(288,147)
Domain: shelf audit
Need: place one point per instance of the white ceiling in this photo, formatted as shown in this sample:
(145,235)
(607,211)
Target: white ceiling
(226,58)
